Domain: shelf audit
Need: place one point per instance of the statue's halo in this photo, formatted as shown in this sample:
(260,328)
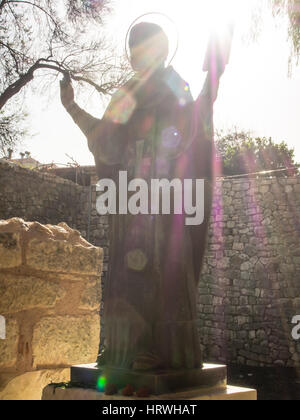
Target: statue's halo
(166,18)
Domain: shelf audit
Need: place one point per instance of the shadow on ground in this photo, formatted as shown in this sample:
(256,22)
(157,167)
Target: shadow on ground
(270,383)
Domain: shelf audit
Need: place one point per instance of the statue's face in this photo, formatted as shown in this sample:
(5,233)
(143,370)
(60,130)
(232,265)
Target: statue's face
(146,57)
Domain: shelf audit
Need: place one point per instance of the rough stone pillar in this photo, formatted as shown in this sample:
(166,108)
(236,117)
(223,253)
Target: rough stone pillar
(50,293)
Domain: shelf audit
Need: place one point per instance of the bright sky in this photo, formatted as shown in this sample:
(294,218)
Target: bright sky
(256,93)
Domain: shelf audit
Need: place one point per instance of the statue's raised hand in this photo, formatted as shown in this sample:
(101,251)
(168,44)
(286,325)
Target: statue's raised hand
(66,91)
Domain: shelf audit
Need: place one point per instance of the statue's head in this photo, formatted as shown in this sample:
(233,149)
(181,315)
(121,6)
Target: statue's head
(149,47)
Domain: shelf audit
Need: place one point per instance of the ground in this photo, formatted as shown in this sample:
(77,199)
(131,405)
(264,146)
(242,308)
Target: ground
(271,383)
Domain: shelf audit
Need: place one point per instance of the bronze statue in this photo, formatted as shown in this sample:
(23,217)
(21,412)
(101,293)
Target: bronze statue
(153,129)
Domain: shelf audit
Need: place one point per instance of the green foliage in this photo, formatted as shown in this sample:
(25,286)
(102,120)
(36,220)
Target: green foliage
(242,154)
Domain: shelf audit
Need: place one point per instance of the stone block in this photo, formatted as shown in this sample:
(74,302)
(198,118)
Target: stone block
(64,341)
(63,257)
(91,297)
(10,249)
(29,386)
(20,293)
(246,266)
(238,246)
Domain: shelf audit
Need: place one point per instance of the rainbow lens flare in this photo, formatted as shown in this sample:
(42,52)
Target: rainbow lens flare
(101,383)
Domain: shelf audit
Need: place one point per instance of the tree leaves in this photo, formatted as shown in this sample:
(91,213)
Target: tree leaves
(243,154)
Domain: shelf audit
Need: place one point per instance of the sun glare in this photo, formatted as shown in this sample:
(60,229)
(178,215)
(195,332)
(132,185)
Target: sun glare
(222,12)
(213,13)
(198,20)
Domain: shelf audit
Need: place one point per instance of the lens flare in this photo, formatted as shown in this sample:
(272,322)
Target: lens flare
(171,138)
(121,107)
(101,384)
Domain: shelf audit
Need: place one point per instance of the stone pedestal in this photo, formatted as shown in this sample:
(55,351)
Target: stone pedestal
(158,382)
(209,383)
(230,393)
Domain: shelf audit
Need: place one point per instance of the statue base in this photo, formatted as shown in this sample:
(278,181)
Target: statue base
(210,377)
(230,393)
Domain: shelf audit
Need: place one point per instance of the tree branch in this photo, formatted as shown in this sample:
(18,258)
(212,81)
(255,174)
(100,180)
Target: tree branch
(13,53)
(2,3)
(90,82)
(26,78)
(33,5)
(58,27)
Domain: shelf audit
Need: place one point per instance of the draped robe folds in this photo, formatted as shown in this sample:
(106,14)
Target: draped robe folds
(154,130)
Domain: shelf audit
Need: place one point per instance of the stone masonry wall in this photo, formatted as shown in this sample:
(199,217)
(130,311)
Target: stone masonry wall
(47,199)
(250,286)
(50,297)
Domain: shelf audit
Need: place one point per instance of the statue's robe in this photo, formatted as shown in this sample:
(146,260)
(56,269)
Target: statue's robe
(154,130)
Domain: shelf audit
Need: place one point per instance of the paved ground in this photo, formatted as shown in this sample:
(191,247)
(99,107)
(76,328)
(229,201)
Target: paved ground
(271,383)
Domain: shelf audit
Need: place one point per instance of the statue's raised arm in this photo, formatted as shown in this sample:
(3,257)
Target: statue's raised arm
(216,60)
(102,134)
(86,122)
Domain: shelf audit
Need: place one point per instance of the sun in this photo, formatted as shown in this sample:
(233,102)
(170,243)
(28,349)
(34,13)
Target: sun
(189,24)
(196,20)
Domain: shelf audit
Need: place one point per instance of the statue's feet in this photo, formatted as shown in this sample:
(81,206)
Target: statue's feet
(101,359)
(147,362)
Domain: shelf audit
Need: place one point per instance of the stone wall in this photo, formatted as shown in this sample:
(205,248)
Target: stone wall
(250,287)
(48,199)
(50,298)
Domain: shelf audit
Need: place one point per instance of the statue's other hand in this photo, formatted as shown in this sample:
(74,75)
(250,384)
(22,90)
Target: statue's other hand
(66,92)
